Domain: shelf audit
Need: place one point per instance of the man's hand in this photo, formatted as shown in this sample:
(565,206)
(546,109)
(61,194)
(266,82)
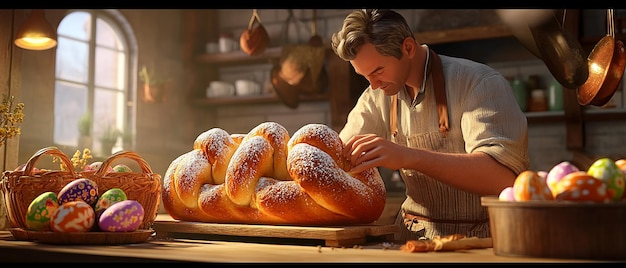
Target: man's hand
(475,172)
(369,150)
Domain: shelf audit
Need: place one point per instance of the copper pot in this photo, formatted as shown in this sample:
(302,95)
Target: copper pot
(255,39)
(541,33)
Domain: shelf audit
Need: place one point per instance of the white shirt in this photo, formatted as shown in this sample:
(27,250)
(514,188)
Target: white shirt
(483,116)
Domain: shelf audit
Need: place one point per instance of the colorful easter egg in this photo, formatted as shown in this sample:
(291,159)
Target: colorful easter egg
(621,164)
(507,194)
(40,210)
(581,187)
(529,185)
(73,216)
(123,216)
(95,166)
(558,172)
(606,170)
(109,198)
(122,168)
(79,189)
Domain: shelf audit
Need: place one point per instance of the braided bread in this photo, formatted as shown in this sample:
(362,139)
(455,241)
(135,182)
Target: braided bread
(267,177)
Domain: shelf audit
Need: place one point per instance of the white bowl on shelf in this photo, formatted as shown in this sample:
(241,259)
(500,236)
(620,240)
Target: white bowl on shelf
(246,87)
(220,89)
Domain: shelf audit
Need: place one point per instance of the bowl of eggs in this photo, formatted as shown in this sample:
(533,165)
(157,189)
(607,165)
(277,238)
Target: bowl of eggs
(566,212)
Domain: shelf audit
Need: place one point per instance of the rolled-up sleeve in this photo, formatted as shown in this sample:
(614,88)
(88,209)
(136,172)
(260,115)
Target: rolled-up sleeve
(494,124)
(367,116)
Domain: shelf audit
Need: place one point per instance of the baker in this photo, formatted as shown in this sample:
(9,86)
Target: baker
(451,126)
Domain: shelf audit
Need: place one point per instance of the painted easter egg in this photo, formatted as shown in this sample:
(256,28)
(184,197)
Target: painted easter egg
(109,198)
(73,216)
(558,172)
(123,216)
(581,187)
(79,189)
(40,210)
(607,171)
(122,168)
(529,185)
(621,164)
(507,194)
(95,166)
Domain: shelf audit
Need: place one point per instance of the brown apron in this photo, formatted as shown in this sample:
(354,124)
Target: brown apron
(420,226)
(440,97)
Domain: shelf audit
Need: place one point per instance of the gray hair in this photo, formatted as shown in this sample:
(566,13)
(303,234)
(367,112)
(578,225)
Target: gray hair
(383,28)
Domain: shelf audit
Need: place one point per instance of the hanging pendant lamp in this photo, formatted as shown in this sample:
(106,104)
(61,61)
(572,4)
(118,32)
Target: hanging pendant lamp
(36,33)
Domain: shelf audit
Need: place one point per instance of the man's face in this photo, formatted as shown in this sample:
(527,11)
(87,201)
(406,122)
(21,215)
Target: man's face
(386,73)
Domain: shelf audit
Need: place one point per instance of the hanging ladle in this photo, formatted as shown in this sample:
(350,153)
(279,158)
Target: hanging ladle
(606,64)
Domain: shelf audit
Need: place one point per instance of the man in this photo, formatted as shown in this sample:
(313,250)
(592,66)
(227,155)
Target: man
(450,126)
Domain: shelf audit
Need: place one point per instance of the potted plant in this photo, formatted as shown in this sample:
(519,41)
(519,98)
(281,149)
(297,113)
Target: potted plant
(109,138)
(154,87)
(84,131)
(127,139)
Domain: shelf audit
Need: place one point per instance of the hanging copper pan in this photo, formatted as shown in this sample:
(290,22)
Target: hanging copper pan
(606,64)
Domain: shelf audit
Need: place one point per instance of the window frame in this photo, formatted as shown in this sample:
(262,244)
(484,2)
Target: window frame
(118,23)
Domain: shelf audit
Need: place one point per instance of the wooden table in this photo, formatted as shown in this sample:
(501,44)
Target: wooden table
(194,250)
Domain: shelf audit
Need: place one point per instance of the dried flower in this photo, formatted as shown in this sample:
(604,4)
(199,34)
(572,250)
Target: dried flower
(78,162)
(11,118)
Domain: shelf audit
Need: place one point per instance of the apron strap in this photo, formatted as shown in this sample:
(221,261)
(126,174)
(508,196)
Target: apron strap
(440,93)
(440,99)
(393,115)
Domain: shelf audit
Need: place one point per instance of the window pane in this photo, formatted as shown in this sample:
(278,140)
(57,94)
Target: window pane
(76,25)
(70,103)
(108,111)
(72,61)
(106,36)
(100,68)
(110,71)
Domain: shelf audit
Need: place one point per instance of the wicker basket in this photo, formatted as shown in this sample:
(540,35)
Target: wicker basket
(144,186)
(21,187)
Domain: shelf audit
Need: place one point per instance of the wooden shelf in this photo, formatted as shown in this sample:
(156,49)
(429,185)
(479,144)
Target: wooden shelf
(604,114)
(463,34)
(589,115)
(239,57)
(268,98)
(545,117)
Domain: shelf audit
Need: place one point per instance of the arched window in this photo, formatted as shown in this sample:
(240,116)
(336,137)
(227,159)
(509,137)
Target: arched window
(94,89)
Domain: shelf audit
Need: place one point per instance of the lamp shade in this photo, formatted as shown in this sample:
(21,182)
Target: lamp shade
(36,33)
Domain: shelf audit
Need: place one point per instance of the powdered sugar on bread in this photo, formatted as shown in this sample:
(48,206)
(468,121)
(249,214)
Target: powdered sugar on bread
(271,178)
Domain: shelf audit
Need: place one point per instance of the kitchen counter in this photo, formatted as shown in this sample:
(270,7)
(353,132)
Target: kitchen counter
(195,250)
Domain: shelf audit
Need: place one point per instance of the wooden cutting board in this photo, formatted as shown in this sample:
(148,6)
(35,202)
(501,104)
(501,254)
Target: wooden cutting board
(341,236)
